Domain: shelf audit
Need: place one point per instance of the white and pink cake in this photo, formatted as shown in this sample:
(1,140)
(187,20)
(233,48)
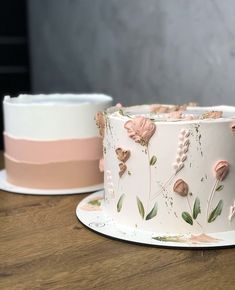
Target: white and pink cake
(51,141)
(170,169)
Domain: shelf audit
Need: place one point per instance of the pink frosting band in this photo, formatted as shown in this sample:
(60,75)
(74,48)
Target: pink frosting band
(53,151)
(62,175)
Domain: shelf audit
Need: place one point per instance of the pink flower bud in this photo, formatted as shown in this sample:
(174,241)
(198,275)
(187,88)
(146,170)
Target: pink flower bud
(181,187)
(221,170)
(122,169)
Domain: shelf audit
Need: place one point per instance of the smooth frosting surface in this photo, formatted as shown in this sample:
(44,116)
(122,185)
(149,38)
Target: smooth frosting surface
(53,151)
(54,175)
(53,117)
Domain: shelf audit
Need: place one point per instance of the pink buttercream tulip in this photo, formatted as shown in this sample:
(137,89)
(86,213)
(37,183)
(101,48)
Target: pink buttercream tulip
(140,129)
(221,170)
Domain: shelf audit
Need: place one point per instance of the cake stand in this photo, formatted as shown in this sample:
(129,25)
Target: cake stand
(91,213)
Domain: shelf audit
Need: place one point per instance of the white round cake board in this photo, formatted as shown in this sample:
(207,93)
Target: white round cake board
(95,218)
(4,185)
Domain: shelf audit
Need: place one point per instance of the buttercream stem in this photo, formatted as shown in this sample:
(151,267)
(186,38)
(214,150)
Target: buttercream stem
(199,225)
(149,166)
(168,182)
(118,186)
(211,196)
(189,206)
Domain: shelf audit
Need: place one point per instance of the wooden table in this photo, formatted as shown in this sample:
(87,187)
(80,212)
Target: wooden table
(44,246)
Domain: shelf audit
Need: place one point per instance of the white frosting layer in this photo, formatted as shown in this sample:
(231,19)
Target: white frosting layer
(197,144)
(53,117)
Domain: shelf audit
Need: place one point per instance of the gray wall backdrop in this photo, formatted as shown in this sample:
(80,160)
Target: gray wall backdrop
(139,51)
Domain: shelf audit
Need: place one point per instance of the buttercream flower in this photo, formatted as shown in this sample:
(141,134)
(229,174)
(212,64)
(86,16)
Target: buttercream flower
(140,129)
(122,169)
(176,108)
(212,115)
(100,122)
(221,170)
(181,187)
(175,115)
(122,154)
(157,108)
(119,105)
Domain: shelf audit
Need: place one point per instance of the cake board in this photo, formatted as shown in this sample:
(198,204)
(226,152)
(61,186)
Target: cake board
(6,186)
(91,213)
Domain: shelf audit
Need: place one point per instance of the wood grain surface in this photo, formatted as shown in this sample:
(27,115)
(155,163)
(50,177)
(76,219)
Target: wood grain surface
(43,246)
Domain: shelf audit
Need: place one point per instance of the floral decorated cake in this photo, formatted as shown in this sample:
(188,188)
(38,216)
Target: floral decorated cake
(170,169)
(51,141)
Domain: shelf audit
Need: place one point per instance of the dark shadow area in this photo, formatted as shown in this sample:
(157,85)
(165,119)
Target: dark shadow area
(14,52)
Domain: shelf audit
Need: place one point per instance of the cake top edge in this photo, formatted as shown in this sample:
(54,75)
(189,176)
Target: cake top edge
(174,113)
(57,99)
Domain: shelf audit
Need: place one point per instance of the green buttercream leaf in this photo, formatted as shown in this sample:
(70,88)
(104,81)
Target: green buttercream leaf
(120,202)
(196,208)
(140,207)
(187,217)
(153,160)
(219,188)
(152,213)
(95,202)
(216,212)
(175,239)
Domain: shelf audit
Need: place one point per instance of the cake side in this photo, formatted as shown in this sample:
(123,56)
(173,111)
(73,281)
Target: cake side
(171,173)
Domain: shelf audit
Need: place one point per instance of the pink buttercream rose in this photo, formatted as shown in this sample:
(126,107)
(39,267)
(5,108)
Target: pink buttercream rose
(100,122)
(119,105)
(175,115)
(140,129)
(221,170)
